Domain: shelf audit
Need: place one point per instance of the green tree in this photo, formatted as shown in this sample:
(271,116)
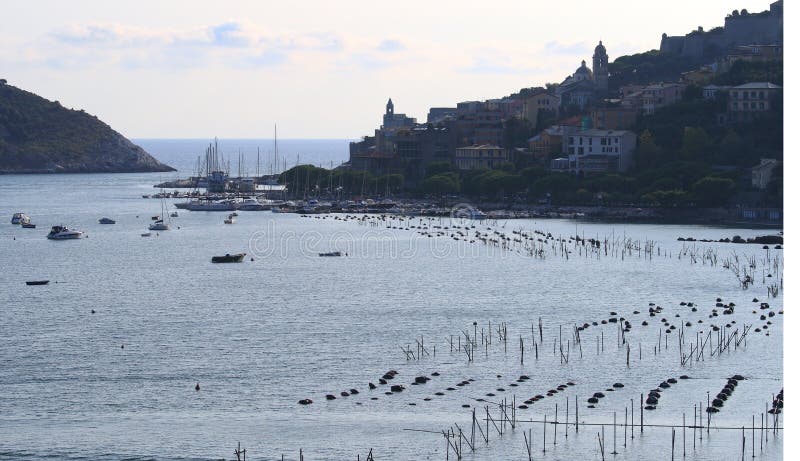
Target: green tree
(696,144)
(647,154)
(732,149)
(713,192)
(445,183)
(692,93)
(667,198)
(436,168)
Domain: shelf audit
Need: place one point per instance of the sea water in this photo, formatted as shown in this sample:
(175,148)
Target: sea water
(119,383)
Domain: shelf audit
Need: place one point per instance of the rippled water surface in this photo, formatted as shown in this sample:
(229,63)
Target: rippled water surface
(289,325)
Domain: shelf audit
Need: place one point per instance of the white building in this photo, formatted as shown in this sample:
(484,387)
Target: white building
(595,150)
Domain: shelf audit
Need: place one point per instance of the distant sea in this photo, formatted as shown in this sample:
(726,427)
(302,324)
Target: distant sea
(182,154)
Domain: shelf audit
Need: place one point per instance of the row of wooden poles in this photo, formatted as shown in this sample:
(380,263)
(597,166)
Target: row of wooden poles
(526,240)
(241,454)
(715,342)
(506,420)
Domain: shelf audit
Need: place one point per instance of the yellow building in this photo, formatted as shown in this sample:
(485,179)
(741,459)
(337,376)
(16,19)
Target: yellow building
(483,156)
(540,100)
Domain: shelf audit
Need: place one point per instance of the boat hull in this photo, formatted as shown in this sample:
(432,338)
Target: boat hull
(237,258)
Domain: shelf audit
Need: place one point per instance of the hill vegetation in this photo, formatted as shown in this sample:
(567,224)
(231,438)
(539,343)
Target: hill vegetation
(41,136)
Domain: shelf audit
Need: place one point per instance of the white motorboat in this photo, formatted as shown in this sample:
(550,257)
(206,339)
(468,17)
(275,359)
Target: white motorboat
(20,218)
(63,233)
(231,219)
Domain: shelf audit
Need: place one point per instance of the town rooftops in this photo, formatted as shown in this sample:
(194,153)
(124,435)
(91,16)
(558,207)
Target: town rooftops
(481,147)
(599,132)
(758,86)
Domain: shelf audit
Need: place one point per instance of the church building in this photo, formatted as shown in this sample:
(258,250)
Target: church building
(586,85)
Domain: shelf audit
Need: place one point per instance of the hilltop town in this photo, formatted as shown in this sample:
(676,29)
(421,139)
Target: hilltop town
(697,123)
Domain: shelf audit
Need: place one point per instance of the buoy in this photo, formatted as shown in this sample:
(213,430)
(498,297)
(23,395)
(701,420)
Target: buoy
(197,387)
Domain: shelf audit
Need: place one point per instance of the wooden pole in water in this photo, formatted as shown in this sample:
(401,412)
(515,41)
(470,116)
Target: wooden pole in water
(742,443)
(641,413)
(673,444)
(625,429)
(544,434)
(753,437)
(555,426)
(684,435)
(694,429)
(576,414)
(615,434)
(700,420)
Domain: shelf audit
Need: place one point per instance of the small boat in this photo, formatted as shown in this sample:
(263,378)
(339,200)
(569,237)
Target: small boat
(63,233)
(228,258)
(174,214)
(37,282)
(146,234)
(155,218)
(159,225)
(19,218)
(230,219)
(28,225)
(331,253)
(107,221)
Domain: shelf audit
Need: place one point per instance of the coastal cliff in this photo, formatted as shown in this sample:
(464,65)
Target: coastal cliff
(41,136)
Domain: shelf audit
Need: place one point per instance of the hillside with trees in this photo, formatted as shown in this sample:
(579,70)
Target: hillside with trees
(41,136)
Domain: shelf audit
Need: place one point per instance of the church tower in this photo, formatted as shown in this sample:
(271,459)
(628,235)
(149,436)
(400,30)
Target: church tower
(390,107)
(600,67)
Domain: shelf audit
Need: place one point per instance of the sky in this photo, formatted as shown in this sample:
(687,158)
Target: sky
(317,69)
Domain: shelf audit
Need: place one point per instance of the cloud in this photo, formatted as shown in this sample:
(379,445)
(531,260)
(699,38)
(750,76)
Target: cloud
(234,43)
(228,34)
(391,46)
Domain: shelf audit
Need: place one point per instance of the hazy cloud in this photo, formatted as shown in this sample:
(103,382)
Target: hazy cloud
(391,46)
(236,43)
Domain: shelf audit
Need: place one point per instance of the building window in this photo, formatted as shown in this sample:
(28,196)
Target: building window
(761,105)
(735,105)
